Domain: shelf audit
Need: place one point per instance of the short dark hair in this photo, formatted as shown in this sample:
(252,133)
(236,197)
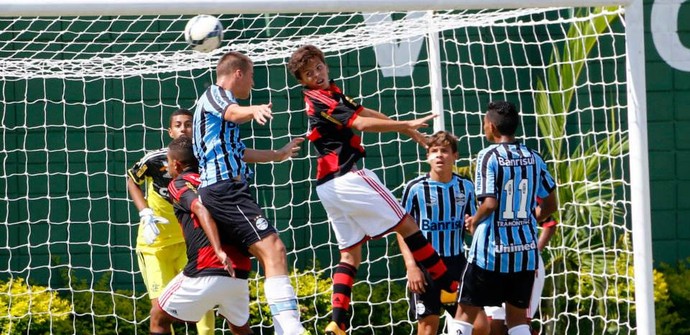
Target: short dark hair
(232,61)
(301,57)
(181,111)
(181,150)
(443,138)
(504,116)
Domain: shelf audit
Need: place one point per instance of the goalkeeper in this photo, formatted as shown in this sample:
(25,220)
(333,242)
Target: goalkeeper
(160,248)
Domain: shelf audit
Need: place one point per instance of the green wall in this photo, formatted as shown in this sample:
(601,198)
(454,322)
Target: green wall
(64,163)
(668,114)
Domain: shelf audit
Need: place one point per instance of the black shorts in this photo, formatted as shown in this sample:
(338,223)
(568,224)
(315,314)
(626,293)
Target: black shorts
(236,212)
(482,287)
(429,302)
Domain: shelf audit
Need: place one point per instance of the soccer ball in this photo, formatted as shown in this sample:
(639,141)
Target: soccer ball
(203,33)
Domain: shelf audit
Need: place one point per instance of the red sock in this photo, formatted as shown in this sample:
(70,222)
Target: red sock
(343,279)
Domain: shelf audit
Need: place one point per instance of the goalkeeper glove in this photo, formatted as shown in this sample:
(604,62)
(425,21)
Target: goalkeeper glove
(149,221)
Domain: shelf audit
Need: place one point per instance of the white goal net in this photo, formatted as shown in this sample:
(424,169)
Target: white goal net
(84,98)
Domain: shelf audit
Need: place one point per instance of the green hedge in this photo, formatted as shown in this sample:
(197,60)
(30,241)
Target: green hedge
(96,309)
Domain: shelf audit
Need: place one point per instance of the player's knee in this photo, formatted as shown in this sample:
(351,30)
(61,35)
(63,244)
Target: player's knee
(159,319)
(407,227)
(272,246)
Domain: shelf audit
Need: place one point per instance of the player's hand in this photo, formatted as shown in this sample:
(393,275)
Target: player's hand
(289,150)
(415,280)
(470,224)
(262,113)
(420,123)
(227,263)
(150,221)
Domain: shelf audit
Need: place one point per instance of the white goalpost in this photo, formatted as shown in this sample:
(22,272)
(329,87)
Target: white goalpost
(87,88)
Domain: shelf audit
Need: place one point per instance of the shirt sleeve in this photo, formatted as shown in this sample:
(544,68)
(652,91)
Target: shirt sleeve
(138,171)
(485,177)
(183,193)
(546,184)
(220,100)
(471,207)
(409,201)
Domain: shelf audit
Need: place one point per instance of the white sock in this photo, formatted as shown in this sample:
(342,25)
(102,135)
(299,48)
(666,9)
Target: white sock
(282,300)
(519,330)
(457,327)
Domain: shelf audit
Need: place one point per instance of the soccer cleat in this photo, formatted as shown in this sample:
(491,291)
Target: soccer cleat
(333,329)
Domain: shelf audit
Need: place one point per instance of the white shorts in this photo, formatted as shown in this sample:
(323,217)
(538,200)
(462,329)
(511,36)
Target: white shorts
(499,312)
(188,299)
(359,207)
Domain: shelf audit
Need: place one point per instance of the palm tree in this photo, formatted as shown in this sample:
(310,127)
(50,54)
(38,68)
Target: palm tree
(591,250)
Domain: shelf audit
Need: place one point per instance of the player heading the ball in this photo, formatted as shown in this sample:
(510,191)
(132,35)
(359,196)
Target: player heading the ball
(358,205)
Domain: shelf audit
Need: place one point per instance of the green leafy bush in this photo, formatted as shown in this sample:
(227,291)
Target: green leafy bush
(30,308)
(379,308)
(313,291)
(100,310)
(672,299)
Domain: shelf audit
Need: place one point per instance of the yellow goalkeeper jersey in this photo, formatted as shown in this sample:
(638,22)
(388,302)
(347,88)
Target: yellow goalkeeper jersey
(152,170)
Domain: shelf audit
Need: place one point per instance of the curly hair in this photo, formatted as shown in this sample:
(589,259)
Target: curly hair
(301,57)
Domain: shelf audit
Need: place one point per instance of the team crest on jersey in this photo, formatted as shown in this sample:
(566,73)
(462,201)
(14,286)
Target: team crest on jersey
(460,198)
(261,223)
(420,308)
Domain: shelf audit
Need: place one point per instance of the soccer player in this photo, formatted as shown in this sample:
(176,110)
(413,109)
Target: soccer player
(225,177)
(358,205)
(438,201)
(216,273)
(160,245)
(503,255)
(497,314)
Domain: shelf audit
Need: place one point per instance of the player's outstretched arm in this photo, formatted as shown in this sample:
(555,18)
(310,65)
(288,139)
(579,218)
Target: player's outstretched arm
(371,121)
(263,156)
(241,114)
(209,226)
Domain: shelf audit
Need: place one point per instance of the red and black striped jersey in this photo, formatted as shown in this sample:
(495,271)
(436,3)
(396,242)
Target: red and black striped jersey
(201,259)
(331,114)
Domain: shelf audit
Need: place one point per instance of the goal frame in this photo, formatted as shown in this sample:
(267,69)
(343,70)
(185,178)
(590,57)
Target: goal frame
(635,65)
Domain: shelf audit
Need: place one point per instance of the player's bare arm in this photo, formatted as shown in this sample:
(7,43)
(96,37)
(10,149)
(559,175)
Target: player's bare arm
(547,207)
(488,206)
(545,236)
(241,114)
(211,230)
(413,134)
(262,156)
(136,194)
(374,124)
(415,276)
